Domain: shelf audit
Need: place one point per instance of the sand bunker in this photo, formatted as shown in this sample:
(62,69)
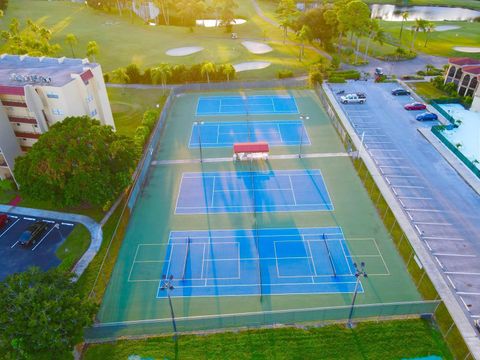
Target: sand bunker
(213,23)
(443,28)
(467,49)
(252,65)
(256,47)
(184,51)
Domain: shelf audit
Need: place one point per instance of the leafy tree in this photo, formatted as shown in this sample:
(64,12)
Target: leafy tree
(286,13)
(227,14)
(375,33)
(120,75)
(420,24)
(189,10)
(3,5)
(33,39)
(405,16)
(134,74)
(78,161)
(42,315)
(71,41)
(165,7)
(302,36)
(427,29)
(161,74)
(322,22)
(92,50)
(228,70)
(208,68)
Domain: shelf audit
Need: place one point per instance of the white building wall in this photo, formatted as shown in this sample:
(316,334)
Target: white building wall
(8,145)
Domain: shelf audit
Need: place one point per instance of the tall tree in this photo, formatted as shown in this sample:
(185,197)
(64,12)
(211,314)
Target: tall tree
(3,5)
(375,33)
(227,14)
(302,35)
(78,161)
(189,10)
(43,315)
(208,68)
(405,16)
(228,70)
(428,28)
(161,74)
(71,41)
(92,50)
(165,7)
(286,13)
(419,25)
(120,75)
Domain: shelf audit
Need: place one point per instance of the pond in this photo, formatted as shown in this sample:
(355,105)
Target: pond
(432,13)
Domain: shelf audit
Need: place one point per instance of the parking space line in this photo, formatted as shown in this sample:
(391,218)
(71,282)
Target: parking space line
(451,283)
(415,198)
(409,187)
(439,262)
(379,142)
(468,293)
(389,158)
(53,227)
(30,219)
(427,210)
(49,221)
(401,202)
(402,176)
(410,216)
(464,303)
(428,245)
(16,242)
(455,255)
(462,273)
(395,167)
(393,189)
(443,238)
(420,232)
(67,224)
(3,233)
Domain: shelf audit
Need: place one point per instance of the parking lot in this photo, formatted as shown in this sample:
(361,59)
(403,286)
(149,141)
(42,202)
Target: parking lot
(443,209)
(17,258)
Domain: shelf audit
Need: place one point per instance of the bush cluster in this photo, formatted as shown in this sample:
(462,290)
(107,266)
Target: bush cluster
(143,131)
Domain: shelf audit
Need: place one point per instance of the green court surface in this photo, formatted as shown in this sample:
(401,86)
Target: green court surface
(132,298)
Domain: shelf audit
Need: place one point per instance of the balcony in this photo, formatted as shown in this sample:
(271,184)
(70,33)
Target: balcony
(14,103)
(27,135)
(22,120)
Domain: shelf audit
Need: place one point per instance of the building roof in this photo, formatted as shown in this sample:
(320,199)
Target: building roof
(472,70)
(463,61)
(21,70)
(250,147)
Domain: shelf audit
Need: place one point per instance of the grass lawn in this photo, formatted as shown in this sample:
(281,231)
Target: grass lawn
(122,42)
(471,4)
(383,340)
(128,106)
(439,42)
(427,91)
(71,250)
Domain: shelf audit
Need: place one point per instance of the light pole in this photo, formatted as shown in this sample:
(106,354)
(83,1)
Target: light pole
(167,286)
(199,124)
(302,117)
(359,273)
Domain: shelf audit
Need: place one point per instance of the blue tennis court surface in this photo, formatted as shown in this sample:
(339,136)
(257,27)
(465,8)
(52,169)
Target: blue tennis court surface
(238,105)
(225,134)
(286,261)
(269,191)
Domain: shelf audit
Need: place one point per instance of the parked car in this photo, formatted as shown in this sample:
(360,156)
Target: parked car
(3,220)
(33,233)
(415,106)
(378,71)
(400,91)
(361,95)
(352,99)
(427,116)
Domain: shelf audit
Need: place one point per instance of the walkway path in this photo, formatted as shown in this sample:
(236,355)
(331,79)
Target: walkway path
(93,227)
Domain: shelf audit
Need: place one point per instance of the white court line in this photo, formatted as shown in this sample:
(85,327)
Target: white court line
(3,233)
(464,303)
(133,263)
(455,255)
(43,238)
(293,192)
(451,283)
(433,223)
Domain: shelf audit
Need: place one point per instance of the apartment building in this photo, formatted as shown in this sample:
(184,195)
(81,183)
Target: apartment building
(465,73)
(37,92)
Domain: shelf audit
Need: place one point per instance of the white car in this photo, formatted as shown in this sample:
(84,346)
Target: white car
(352,99)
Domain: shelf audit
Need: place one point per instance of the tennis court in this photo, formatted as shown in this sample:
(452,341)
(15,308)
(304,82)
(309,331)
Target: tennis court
(249,191)
(225,134)
(238,105)
(250,262)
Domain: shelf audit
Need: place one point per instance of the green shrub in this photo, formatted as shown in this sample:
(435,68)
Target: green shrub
(284,74)
(150,118)
(336,79)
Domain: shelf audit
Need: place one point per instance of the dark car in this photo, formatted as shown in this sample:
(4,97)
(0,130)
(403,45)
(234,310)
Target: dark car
(361,95)
(33,233)
(400,91)
(415,106)
(3,220)
(426,116)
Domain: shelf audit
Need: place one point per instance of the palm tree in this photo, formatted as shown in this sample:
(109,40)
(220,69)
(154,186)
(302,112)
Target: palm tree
(71,40)
(375,33)
(229,71)
(302,35)
(419,25)
(120,75)
(428,28)
(162,73)
(405,15)
(207,69)
(92,49)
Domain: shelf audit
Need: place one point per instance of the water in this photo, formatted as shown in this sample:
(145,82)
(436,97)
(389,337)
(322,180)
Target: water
(432,13)
(214,23)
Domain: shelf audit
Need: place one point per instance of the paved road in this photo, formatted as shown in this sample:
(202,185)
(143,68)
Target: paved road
(444,210)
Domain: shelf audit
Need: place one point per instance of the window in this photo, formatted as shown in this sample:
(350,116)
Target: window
(89,98)
(52,95)
(93,112)
(58,112)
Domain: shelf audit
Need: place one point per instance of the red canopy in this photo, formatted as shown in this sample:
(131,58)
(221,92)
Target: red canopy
(250,147)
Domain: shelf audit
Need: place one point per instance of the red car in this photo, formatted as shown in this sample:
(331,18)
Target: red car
(3,220)
(415,106)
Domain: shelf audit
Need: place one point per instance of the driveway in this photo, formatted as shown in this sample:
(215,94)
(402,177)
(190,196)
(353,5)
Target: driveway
(443,209)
